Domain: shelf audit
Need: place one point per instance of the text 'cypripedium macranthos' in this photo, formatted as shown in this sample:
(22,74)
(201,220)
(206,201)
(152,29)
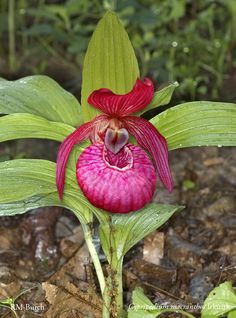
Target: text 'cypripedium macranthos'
(112,173)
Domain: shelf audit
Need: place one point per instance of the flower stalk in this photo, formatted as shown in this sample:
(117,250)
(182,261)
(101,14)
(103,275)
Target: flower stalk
(107,299)
(111,287)
(113,296)
(93,253)
(118,286)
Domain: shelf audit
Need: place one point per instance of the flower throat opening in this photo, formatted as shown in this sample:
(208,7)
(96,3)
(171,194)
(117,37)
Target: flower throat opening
(121,161)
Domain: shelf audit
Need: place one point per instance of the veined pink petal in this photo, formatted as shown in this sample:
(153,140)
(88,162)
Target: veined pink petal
(150,139)
(121,105)
(119,183)
(80,134)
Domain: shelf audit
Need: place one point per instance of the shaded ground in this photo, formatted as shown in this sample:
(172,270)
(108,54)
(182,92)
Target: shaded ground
(179,264)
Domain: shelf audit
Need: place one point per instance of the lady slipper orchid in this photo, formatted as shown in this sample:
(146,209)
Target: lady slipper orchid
(112,173)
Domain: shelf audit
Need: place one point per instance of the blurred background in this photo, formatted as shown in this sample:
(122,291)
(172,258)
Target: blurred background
(192,42)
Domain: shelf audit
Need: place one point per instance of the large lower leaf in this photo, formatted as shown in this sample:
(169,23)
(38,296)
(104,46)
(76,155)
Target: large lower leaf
(70,201)
(123,231)
(17,126)
(110,62)
(198,124)
(42,96)
(27,184)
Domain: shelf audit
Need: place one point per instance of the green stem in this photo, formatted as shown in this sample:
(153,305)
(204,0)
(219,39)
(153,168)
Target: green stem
(107,299)
(117,286)
(113,294)
(11,34)
(93,253)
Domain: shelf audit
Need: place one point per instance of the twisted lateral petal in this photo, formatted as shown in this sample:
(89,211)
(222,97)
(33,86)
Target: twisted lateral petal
(79,135)
(121,105)
(119,183)
(150,139)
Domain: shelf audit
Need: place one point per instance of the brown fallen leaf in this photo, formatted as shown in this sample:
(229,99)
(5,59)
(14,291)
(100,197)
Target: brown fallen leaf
(213,161)
(74,270)
(9,238)
(9,290)
(69,302)
(157,275)
(38,229)
(153,248)
(70,244)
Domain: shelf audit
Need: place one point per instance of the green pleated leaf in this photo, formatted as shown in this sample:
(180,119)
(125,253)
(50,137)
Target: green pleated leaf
(42,96)
(161,97)
(70,202)
(198,124)
(141,306)
(17,126)
(27,184)
(110,62)
(220,301)
(124,231)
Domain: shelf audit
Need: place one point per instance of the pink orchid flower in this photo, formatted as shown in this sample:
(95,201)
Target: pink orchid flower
(112,173)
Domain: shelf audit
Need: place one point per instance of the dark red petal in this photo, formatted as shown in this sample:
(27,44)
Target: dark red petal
(80,134)
(121,105)
(150,139)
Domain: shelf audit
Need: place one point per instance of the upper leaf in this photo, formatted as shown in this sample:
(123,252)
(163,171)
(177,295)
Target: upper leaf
(42,96)
(110,62)
(220,301)
(161,97)
(124,231)
(198,124)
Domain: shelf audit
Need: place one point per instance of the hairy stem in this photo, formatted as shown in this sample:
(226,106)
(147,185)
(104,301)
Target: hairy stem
(113,295)
(116,287)
(107,298)
(93,253)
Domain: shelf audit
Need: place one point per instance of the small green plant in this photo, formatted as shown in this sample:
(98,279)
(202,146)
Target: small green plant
(221,302)
(37,107)
(10,302)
